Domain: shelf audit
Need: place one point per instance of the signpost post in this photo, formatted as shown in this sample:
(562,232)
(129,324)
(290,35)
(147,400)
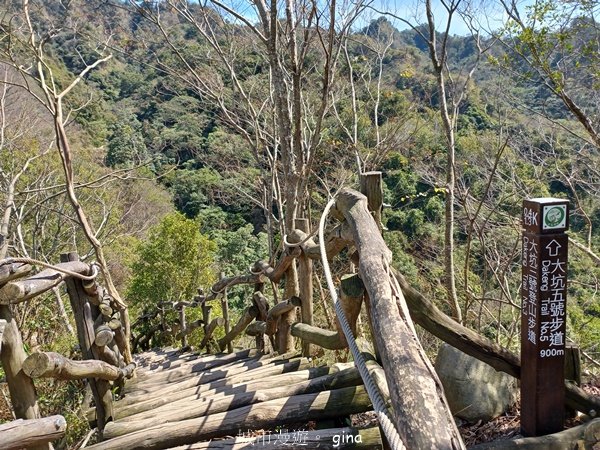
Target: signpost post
(543,315)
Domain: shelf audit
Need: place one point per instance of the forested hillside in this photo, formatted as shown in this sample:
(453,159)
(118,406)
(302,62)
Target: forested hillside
(193,136)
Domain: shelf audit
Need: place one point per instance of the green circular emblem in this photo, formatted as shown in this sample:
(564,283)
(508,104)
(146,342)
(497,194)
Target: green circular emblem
(554,217)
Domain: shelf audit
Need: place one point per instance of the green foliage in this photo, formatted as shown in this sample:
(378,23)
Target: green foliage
(403,262)
(181,126)
(172,263)
(138,110)
(238,247)
(194,189)
(126,146)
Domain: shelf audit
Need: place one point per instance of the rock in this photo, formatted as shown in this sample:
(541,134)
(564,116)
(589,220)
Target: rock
(475,390)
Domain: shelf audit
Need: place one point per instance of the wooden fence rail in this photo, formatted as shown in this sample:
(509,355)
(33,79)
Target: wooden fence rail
(101,340)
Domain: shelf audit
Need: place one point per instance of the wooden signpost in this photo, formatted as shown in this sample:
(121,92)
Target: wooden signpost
(543,315)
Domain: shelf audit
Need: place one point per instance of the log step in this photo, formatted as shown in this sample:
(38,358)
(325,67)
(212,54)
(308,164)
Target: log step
(277,375)
(192,401)
(298,408)
(221,403)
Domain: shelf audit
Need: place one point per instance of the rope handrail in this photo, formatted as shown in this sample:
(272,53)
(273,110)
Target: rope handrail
(308,237)
(379,405)
(36,262)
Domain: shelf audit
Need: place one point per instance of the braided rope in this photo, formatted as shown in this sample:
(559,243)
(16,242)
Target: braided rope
(253,272)
(308,237)
(36,262)
(217,292)
(376,399)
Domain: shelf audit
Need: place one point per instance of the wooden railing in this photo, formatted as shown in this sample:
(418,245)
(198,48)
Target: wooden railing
(100,335)
(421,416)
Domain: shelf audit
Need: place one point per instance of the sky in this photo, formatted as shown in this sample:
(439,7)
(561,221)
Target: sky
(488,13)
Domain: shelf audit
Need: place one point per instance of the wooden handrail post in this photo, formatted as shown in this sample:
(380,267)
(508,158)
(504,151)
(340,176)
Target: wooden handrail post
(284,338)
(20,386)
(422,418)
(206,314)
(183,325)
(225,310)
(352,292)
(371,186)
(262,305)
(85,313)
(305,285)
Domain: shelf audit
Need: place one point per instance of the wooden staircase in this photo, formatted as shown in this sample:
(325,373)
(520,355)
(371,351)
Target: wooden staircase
(236,401)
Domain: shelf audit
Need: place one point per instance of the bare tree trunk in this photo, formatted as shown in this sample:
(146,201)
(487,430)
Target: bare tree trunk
(438,62)
(8,206)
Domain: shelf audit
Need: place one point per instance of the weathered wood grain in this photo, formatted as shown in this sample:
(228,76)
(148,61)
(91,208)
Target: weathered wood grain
(9,272)
(323,405)
(20,386)
(54,365)
(265,377)
(421,416)
(38,433)
(21,290)
(224,402)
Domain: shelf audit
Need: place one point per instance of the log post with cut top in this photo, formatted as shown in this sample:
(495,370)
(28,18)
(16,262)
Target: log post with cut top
(262,305)
(85,314)
(183,325)
(371,185)
(225,310)
(305,285)
(278,311)
(206,317)
(283,336)
(352,291)
(421,415)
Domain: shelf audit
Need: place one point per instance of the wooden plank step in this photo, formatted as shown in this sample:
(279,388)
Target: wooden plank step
(181,381)
(224,402)
(178,361)
(244,382)
(298,408)
(188,368)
